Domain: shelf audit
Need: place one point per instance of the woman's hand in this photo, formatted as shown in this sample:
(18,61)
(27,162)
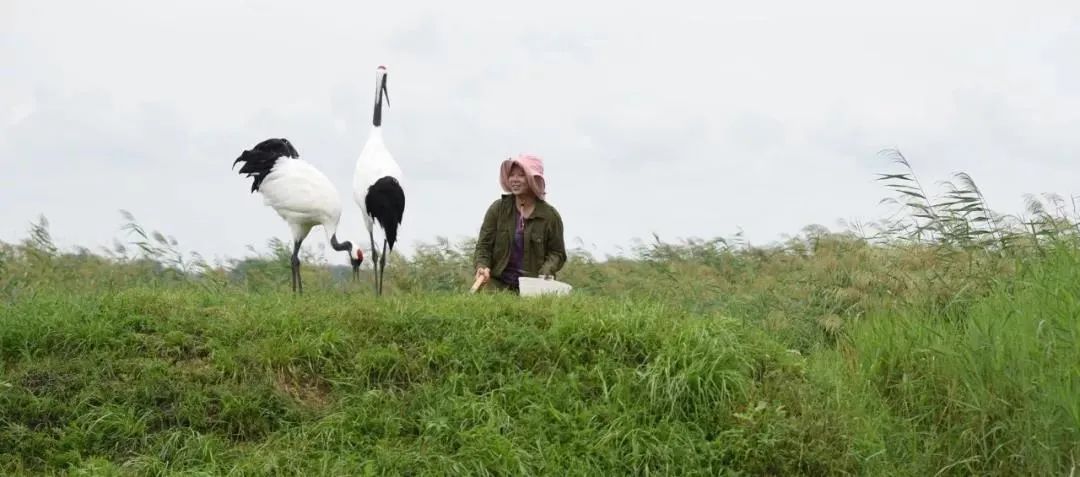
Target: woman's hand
(482,276)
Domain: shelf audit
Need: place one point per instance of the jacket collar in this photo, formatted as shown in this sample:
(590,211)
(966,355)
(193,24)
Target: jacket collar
(540,211)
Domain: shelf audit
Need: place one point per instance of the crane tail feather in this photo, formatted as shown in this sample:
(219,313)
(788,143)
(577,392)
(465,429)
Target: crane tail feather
(260,160)
(385,203)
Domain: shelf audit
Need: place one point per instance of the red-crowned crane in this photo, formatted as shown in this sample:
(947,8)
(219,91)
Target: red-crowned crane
(377,185)
(300,194)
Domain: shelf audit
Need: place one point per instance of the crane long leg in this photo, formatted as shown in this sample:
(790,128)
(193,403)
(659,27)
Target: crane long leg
(382,266)
(374,260)
(295,262)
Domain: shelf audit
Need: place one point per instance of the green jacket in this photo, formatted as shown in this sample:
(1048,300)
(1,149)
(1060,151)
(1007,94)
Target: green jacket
(545,252)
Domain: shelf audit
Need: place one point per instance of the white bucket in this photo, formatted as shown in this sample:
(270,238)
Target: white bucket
(539,286)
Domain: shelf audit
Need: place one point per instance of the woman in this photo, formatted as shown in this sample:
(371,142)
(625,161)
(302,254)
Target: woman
(522,235)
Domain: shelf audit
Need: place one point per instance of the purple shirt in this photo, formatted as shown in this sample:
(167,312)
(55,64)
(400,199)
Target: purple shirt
(517,255)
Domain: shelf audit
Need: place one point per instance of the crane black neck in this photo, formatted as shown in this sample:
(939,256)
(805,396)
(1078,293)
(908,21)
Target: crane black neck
(345,246)
(376,119)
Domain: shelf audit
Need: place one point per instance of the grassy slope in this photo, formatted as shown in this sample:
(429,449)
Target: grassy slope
(155,379)
(152,380)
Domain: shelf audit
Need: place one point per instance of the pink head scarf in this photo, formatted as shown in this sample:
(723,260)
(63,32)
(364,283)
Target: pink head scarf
(534,173)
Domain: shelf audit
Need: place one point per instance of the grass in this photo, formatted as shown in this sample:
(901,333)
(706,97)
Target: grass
(152,381)
(946,343)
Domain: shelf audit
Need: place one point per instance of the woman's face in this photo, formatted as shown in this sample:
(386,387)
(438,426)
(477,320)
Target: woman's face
(518,185)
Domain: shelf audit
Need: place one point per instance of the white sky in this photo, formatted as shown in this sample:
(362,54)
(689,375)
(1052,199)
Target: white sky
(670,117)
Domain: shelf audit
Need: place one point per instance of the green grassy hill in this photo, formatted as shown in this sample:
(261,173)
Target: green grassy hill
(941,345)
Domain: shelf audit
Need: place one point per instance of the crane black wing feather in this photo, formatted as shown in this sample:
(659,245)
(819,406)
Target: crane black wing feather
(385,201)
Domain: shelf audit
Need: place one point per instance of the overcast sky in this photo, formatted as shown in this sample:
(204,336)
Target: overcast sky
(667,117)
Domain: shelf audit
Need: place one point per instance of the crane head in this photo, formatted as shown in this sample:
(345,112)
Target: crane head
(380,94)
(356,261)
(380,84)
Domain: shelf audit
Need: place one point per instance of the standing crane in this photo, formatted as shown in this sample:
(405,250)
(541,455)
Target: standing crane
(301,194)
(377,185)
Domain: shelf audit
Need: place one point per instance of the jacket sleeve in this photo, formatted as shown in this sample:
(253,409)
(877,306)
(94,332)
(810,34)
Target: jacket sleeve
(486,241)
(556,248)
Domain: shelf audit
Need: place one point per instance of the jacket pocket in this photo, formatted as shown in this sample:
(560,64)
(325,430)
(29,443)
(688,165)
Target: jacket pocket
(536,237)
(535,242)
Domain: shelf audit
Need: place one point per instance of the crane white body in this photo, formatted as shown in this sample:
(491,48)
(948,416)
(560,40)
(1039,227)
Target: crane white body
(373,163)
(303,196)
